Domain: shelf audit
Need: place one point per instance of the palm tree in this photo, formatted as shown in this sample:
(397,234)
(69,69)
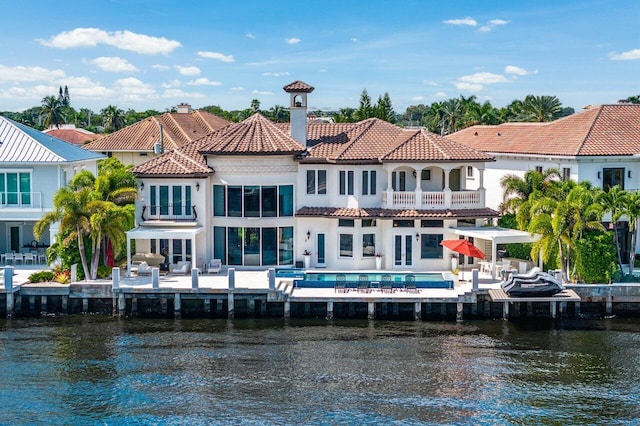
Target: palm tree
(113,118)
(631,209)
(52,109)
(613,202)
(517,190)
(540,108)
(452,115)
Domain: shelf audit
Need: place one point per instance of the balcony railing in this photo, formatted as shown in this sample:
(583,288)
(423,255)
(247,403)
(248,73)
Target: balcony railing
(433,199)
(175,212)
(31,200)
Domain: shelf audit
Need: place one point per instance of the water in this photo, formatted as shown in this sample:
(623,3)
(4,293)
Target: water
(374,276)
(100,370)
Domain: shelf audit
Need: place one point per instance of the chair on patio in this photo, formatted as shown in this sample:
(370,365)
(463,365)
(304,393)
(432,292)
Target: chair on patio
(215,266)
(181,268)
(17,257)
(410,283)
(8,257)
(340,285)
(144,268)
(386,284)
(364,284)
(28,257)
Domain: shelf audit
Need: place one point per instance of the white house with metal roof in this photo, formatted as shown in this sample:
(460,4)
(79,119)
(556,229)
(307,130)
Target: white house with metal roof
(33,166)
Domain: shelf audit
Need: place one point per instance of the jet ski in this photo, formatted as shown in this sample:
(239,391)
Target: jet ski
(535,283)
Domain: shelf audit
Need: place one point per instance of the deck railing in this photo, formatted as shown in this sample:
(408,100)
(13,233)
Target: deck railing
(31,200)
(177,212)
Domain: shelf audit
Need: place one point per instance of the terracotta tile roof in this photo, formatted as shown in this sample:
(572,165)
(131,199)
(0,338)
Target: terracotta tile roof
(174,164)
(177,130)
(604,130)
(74,136)
(255,135)
(343,212)
(376,140)
(298,86)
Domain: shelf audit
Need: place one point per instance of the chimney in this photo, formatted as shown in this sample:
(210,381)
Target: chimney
(298,91)
(184,108)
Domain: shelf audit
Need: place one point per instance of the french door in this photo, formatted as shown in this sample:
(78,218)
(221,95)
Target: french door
(402,250)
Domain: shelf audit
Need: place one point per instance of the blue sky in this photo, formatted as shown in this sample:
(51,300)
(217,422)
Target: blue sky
(156,54)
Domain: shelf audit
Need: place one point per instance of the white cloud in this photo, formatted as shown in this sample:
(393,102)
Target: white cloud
(464,21)
(261,92)
(322,70)
(417,98)
(517,71)
(125,40)
(275,74)
(187,70)
(478,80)
(171,83)
(629,55)
(440,95)
(160,67)
(237,89)
(292,40)
(113,64)
(355,40)
(430,83)
(492,24)
(180,94)
(132,89)
(216,55)
(27,74)
(203,82)
(251,36)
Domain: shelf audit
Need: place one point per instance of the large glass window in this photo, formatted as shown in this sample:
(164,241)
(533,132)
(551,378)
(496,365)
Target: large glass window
(316,182)
(612,177)
(430,247)
(346,245)
(368,245)
(219,201)
(368,182)
(311,181)
(269,246)
(251,201)
(25,188)
(234,253)
(164,200)
(252,246)
(177,200)
(153,199)
(12,188)
(235,201)
(346,182)
(399,181)
(269,201)
(322,182)
(286,200)
(220,243)
(3,195)
(285,241)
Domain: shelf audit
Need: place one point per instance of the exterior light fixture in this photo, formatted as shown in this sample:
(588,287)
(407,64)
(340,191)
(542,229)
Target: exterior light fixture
(599,175)
(308,235)
(197,186)
(417,236)
(141,186)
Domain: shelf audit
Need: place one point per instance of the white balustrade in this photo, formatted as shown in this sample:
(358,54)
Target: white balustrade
(433,199)
(404,198)
(460,198)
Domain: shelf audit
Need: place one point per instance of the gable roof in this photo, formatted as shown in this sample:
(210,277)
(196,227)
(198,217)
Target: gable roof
(23,144)
(605,130)
(72,135)
(177,129)
(375,140)
(298,86)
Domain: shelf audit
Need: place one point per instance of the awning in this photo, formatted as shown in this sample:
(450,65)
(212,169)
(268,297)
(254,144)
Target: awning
(145,233)
(497,236)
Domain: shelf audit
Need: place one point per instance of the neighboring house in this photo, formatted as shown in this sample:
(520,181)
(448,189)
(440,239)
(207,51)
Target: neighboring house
(257,194)
(33,166)
(72,134)
(146,139)
(600,144)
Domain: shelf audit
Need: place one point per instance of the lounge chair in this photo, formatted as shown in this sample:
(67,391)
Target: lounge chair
(340,285)
(183,268)
(410,283)
(214,266)
(144,269)
(364,284)
(386,285)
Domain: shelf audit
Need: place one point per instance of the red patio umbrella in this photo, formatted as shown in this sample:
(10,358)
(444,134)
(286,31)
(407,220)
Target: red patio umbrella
(463,247)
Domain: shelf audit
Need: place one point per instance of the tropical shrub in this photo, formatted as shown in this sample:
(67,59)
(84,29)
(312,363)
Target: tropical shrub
(595,257)
(41,277)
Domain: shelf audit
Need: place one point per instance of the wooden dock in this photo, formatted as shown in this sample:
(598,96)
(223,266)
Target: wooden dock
(499,295)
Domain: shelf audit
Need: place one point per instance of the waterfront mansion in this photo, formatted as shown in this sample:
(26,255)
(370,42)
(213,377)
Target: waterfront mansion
(260,194)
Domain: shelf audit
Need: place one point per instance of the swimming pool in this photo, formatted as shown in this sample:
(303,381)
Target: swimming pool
(398,279)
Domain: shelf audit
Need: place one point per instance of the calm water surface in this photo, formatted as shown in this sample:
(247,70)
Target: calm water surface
(98,370)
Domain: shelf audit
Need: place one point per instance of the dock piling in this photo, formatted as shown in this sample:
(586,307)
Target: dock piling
(330,310)
(207,305)
(155,278)
(8,288)
(459,311)
(122,305)
(371,310)
(177,302)
(417,311)
(231,313)
(287,309)
(271,273)
(232,278)
(553,307)
(85,305)
(505,310)
(194,278)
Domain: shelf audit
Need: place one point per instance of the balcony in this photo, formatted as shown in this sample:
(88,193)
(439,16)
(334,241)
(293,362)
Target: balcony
(169,213)
(425,200)
(20,200)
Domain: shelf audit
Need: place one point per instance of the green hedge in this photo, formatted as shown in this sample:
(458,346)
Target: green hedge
(595,258)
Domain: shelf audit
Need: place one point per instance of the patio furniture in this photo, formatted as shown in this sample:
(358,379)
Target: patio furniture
(340,285)
(215,266)
(17,257)
(144,268)
(7,257)
(183,267)
(410,283)
(386,284)
(28,257)
(364,284)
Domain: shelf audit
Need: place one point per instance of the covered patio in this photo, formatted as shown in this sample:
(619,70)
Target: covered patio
(164,233)
(497,236)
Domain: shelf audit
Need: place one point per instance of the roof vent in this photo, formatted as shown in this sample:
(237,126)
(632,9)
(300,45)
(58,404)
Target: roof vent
(475,134)
(498,133)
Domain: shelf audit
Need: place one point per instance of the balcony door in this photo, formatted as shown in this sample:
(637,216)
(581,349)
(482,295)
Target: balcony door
(402,250)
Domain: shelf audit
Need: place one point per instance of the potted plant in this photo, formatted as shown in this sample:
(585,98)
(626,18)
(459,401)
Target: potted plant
(379,261)
(307,259)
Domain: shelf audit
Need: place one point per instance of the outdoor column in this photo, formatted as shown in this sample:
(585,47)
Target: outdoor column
(155,278)
(271,273)
(115,278)
(494,258)
(128,255)
(481,188)
(447,189)
(474,280)
(389,189)
(418,190)
(194,278)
